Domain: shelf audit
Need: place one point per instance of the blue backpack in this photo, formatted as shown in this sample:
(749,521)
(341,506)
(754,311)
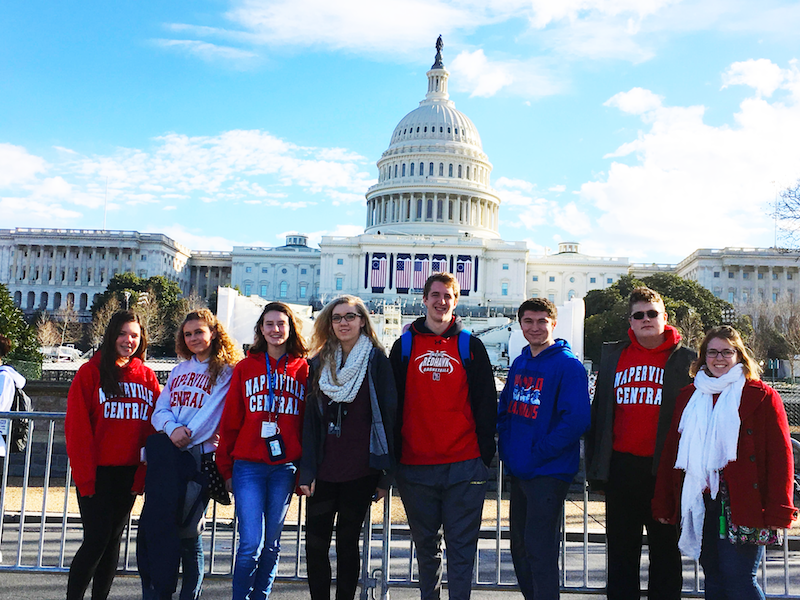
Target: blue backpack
(463,346)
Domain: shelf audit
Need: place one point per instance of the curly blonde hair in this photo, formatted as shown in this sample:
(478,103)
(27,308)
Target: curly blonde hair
(223,350)
(324,341)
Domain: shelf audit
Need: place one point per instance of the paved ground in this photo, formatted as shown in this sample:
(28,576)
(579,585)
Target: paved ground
(30,586)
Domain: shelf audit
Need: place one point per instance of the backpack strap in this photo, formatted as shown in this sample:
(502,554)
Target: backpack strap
(463,347)
(405,345)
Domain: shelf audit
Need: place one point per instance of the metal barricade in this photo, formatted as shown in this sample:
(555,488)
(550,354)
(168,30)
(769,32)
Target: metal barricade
(40,531)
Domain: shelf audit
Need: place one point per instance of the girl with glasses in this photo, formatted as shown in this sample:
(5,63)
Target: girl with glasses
(109,406)
(347,441)
(727,466)
(259,446)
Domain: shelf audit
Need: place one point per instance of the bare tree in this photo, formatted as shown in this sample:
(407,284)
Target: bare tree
(787,212)
(101,318)
(149,311)
(47,331)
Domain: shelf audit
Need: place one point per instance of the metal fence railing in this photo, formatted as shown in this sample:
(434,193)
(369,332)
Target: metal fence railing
(40,531)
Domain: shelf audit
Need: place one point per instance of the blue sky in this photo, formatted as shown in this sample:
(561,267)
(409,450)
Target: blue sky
(640,128)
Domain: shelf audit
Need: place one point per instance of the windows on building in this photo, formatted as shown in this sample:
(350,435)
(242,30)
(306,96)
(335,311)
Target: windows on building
(731,274)
(504,289)
(716,274)
(339,284)
(535,278)
(302,271)
(450,170)
(505,266)
(592,279)
(745,275)
(610,280)
(551,297)
(303,291)
(339,261)
(247,289)
(774,277)
(263,291)
(248,269)
(761,275)
(551,279)
(264,270)
(284,289)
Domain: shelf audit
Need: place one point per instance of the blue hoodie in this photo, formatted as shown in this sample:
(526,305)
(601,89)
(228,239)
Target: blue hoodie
(543,412)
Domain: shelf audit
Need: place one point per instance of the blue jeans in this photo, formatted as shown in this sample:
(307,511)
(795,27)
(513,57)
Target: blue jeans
(262,494)
(536,507)
(193,562)
(729,569)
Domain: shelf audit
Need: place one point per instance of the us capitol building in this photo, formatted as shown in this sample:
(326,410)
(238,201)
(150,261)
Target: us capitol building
(433,209)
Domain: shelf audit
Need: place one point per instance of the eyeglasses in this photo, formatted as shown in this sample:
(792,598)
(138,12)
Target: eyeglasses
(727,353)
(639,315)
(349,317)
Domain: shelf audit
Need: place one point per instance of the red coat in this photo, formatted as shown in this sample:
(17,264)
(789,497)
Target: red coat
(760,480)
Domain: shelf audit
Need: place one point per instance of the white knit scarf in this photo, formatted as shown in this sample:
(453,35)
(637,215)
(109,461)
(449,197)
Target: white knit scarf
(350,376)
(709,437)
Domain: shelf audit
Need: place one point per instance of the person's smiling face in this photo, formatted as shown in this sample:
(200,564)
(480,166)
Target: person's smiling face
(721,356)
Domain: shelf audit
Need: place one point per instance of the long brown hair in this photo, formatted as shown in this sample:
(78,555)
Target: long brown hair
(324,341)
(223,350)
(730,335)
(295,345)
(109,371)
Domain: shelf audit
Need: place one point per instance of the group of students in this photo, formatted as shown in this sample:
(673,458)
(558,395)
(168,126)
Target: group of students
(259,426)
(712,454)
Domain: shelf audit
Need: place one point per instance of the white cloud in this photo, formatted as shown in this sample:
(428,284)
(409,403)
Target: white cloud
(17,166)
(637,101)
(557,188)
(195,239)
(762,75)
(572,219)
(207,51)
(695,185)
(26,212)
(475,73)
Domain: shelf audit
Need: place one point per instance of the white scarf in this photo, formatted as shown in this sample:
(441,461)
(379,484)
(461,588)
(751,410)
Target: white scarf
(709,437)
(350,376)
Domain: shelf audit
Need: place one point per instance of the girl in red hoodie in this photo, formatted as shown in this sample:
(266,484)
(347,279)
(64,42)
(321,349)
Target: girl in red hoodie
(108,419)
(259,444)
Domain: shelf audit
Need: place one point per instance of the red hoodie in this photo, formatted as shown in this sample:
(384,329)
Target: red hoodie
(106,430)
(637,390)
(247,407)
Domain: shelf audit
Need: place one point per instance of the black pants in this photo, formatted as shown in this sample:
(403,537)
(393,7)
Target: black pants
(104,516)
(629,493)
(350,501)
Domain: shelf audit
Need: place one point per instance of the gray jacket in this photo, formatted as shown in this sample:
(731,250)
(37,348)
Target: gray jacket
(599,438)
(383,401)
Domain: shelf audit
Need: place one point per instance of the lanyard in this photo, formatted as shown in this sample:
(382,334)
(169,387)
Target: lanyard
(274,408)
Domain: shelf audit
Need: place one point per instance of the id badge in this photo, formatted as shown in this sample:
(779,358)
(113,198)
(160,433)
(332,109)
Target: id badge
(275,447)
(268,429)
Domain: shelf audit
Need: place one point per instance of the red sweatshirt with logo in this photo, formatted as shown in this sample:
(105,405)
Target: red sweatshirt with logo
(103,430)
(638,384)
(438,422)
(248,407)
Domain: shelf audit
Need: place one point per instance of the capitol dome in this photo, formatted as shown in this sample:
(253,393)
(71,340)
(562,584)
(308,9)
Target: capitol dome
(434,176)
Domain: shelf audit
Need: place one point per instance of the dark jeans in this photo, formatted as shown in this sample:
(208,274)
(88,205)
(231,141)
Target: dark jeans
(350,501)
(104,516)
(629,493)
(536,509)
(729,569)
(193,563)
(445,497)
